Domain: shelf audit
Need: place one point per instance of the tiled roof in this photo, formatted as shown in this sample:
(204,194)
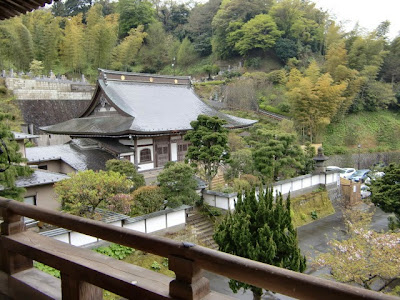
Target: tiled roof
(78,159)
(39,177)
(49,112)
(12,8)
(113,145)
(145,108)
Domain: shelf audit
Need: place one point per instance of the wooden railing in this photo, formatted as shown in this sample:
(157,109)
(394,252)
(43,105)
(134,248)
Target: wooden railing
(85,273)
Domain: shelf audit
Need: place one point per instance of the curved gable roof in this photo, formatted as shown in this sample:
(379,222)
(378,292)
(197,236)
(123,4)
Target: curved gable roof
(145,108)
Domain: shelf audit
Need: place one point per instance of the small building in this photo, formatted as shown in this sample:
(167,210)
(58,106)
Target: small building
(76,155)
(142,117)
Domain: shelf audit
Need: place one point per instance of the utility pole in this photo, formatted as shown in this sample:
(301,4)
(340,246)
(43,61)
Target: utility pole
(359,148)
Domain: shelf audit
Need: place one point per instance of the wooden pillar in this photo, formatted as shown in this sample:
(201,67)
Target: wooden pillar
(135,156)
(11,262)
(189,283)
(73,289)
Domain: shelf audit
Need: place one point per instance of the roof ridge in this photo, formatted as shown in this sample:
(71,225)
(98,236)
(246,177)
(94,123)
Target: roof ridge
(142,74)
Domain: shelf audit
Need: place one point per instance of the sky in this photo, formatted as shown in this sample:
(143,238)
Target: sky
(369,13)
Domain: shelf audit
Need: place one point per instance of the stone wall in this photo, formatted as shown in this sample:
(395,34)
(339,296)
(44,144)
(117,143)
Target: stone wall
(30,89)
(367,160)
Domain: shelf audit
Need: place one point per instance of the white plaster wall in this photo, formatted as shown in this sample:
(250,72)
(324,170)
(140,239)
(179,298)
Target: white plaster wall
(79,239)
(138,226)
(297,185)
(315,180)
(145,141)
(148,166)
(307,182)
(232,202)
(155,224)
(174,151)
(209,199)
(286,187)
(221,202)
(62,237)
(176,218)
(117,223)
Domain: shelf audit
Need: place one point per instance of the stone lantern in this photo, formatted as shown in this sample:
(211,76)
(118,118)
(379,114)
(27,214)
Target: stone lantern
(319,161)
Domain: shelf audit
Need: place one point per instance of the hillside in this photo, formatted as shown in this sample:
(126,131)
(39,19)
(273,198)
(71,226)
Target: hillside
(374,131)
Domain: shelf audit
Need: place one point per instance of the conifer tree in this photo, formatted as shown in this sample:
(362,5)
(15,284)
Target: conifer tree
(10,158)
(260,229)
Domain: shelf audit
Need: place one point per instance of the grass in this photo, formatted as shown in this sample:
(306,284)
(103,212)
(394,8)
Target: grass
(154,262)
(307,208)
(374,131)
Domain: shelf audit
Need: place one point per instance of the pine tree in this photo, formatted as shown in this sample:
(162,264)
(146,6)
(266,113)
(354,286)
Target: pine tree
(10,158)
(260,229)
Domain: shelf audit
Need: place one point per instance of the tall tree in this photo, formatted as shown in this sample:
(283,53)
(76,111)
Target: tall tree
(46,35)
(126,53)
(134,13)
(178,184)
(85,191)
(186,53)
(232,11)
(315,99)
(126,168)
(199,26)
(385,192)
(260,32)
(154,55)
(101,36)
(208,145)
(12,164)
(276,156)
(73,53)
(260,229)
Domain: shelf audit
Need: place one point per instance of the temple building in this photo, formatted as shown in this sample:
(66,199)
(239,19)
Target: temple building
(142,117)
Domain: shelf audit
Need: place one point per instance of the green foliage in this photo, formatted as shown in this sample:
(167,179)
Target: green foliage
(147,199)
(154,55)
(126,168)
(11,159)
(260,32)
(314,215)
(186,53)
(36,67)
(134,13)
(374,130)
(241,162)
(155,266)
(178,184)
(385,191)
(86,190)
(286,48)
(208,145)
(115,251)
(260,229)
(47,269)
(276,156)
(215,82)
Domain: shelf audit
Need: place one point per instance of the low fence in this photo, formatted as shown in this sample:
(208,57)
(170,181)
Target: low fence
(295,186)
(169,219)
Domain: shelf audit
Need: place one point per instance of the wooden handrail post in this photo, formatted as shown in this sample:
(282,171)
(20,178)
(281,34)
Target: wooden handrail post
(11,262)
(189,282)
(74,289)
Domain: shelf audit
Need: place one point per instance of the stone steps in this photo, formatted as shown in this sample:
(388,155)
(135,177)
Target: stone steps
(203,228)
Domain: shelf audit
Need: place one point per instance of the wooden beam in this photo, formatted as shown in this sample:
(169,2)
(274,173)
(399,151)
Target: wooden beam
(79,264)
